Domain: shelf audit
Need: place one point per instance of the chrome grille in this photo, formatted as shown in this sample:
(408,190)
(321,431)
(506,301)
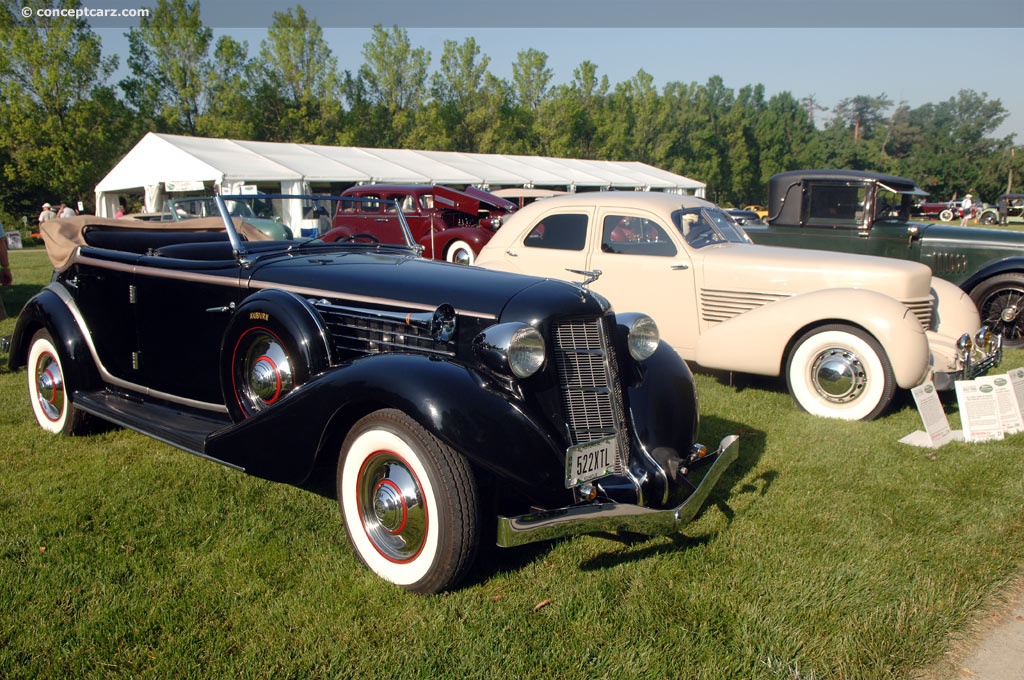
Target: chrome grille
(363,332)
(922,309)
(720,305)
(589,380)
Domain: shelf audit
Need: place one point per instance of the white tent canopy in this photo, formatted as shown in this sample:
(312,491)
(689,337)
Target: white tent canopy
(161,163)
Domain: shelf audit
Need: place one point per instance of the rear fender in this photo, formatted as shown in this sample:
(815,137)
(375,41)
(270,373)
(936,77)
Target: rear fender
(759,340)
(53,309)
(476,237)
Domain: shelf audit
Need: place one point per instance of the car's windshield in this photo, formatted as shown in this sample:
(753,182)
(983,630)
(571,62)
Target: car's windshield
(703,226)
(313,216)
(891,205)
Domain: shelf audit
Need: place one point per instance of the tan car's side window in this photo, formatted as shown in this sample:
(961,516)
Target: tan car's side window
(627,235)
(559,232)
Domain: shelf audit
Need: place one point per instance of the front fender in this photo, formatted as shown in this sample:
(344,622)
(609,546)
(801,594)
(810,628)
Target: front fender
(955,311)
(454,403)
(758,341)
(1014,265)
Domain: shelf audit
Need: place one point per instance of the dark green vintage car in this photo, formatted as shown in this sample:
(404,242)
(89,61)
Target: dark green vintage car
(869,213)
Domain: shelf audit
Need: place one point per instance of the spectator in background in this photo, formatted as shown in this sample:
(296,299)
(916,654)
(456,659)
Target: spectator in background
(967,208)
(6,278)
(66,211)
(47,213)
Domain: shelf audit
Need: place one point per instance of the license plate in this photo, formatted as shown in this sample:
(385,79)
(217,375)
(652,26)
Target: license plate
(591,460)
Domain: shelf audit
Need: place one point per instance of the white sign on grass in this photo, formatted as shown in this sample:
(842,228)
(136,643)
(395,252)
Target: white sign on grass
(1006,402)
(979,410)
(936,425)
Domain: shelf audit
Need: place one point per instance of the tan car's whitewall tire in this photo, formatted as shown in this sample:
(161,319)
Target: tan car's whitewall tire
(409,503)
(460,252)
(49,389)
(839,371)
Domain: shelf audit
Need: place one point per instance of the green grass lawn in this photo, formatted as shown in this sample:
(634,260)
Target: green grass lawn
(829,551)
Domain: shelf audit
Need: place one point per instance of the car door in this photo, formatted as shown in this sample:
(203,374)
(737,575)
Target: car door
(552,245)
(182,308)
(645,267)
(101,285)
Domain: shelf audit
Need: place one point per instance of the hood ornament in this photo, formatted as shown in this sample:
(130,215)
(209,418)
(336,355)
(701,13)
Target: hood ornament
(589,276)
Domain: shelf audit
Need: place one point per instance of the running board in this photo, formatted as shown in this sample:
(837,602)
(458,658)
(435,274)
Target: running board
(185,430)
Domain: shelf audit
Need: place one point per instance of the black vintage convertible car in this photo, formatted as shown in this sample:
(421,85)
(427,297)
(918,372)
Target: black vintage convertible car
(445,402)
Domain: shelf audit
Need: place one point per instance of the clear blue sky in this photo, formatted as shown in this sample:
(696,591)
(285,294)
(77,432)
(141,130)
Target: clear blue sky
(913,51)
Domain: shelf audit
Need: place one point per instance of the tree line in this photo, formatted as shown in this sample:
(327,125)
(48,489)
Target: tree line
(64,124)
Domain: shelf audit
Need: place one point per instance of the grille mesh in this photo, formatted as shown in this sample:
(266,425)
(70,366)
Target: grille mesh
(588,377)
(360,332)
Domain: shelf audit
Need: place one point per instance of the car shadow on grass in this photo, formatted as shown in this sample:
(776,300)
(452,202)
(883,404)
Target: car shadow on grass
(735,481)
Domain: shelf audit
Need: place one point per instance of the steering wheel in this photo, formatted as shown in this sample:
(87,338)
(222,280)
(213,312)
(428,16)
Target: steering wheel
(361,236)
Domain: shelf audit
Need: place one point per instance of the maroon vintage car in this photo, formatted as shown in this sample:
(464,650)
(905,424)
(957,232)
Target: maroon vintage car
(450,224)
(945,211)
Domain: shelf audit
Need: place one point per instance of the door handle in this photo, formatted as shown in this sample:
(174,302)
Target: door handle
(682,266)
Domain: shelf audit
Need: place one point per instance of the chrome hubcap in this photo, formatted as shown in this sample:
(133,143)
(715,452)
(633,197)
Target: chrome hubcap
(838,376)
(50,387)
(267,370)
(1009,314)
(391,507)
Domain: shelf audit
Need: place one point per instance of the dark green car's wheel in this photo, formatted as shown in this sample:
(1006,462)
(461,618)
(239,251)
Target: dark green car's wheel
(1000,302)
(409,503)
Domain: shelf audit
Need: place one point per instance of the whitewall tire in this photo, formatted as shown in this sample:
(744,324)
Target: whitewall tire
(50,390)
(460,252)
(840,371)
(409,503)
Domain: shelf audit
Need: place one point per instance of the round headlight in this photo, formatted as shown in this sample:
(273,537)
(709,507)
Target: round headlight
(526,352)
(643,337)
(983,339)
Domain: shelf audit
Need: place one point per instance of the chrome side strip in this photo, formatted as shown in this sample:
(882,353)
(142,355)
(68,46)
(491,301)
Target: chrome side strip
(235,282)
(105,374)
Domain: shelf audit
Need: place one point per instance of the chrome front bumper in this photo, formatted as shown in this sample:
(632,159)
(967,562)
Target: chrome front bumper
(607,517)
(975,357)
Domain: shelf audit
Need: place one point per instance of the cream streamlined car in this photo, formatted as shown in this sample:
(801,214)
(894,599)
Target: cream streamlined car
(845,330)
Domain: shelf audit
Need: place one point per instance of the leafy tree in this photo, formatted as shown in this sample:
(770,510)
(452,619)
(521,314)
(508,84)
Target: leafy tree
(393,83)
(567,121)
(632,127)
(169,59)
(60,125)
(531,78)
(462,92)
(231,102)
(786,139)
(862,114)
(298,85)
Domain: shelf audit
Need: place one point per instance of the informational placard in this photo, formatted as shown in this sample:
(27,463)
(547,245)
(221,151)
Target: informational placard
(936,424)
(1016,378)
(979,410)
(1006,402)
